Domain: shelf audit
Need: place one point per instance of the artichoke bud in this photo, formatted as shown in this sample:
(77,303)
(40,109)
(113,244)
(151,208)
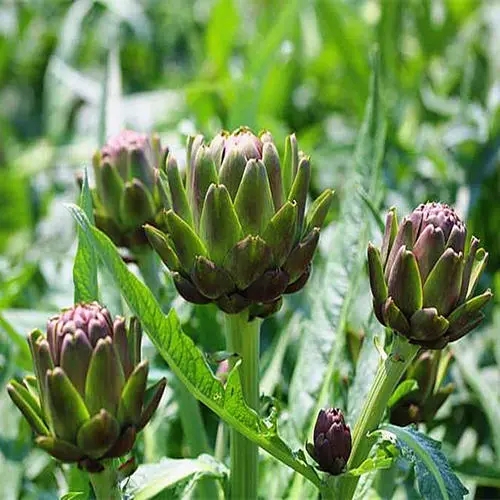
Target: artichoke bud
(128,191)
(238,233)
(422,279)
(331,445)
(90,398)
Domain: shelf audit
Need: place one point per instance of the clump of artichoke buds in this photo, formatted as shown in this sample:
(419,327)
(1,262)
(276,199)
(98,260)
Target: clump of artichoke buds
(88,399)
(128,190)
(422,403)
(332,441)
(423,279)
(237,231)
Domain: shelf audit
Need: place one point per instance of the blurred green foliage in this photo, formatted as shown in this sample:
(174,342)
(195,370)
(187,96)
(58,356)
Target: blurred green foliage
(184,65)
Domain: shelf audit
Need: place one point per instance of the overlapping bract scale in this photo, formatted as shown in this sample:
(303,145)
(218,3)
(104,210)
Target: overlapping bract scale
(88,399)
(237,232)
(128,192)
(423,278)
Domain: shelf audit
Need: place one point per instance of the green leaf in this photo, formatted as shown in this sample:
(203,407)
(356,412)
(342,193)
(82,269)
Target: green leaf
(323,340)
(402,390)
(383,459)
(151,479)
(74,495)
(435,478)
(85,265)
(185,359)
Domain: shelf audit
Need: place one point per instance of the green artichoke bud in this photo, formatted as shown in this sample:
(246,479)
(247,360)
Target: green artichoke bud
(423,280)
(89,398)
(332,441)
(129,188)
(238,234)
(422,404)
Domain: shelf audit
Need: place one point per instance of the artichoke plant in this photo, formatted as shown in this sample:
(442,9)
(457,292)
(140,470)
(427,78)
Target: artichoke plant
(332,441)
(88,399)
(422,403)
(237,232)
(423,279)
(128,190)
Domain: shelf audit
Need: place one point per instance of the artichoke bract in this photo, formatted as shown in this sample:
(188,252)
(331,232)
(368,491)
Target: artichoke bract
(422,403)
(88,399)
(237,230)
(128,190)
(423,279)
(332,441)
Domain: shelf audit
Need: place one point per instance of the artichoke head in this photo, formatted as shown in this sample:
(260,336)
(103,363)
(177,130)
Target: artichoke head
(423,279)
(128,191)
(332,441)
(237,233)
(88,399)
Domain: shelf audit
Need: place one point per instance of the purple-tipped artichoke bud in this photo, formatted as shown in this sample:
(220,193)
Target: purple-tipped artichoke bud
(423,278)
(332,441)
(238,233)
(90,397)
(130,186)
(421,404)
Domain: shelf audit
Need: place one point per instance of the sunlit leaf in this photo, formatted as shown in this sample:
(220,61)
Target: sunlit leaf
(435,478)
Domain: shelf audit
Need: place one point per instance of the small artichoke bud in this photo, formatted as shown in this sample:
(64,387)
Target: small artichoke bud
(90,399)
(129,189)
(422,404)
(237,234)
(332,441)
(423,279)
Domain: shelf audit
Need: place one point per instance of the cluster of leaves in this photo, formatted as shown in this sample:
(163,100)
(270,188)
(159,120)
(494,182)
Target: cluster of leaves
(72,74)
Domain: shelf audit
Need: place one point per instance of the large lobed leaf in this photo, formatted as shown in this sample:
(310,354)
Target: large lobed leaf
(185,359)
(435,477)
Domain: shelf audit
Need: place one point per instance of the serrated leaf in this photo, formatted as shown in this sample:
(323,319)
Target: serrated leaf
(185,359)
(151,479)
(85,265)
(323,339)
(435,478)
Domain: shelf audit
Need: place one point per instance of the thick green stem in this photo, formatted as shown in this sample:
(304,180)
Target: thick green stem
(105,484)
(189,408)
(243,338)
(388,375)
